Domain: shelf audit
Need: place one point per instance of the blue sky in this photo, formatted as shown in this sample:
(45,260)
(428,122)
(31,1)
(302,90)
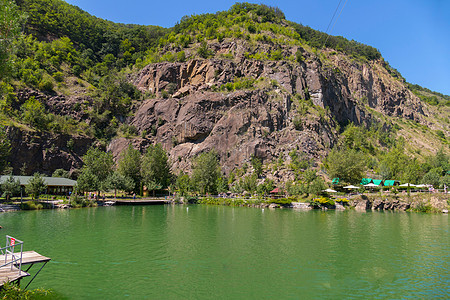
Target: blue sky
(412,35)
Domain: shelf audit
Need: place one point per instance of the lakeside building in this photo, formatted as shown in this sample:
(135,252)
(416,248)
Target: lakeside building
(55,185)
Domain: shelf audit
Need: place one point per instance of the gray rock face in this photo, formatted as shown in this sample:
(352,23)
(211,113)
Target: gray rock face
(45,152)
(380,204)
(260,121)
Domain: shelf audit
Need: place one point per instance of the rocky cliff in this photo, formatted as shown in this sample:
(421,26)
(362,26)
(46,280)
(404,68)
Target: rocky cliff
(291,105)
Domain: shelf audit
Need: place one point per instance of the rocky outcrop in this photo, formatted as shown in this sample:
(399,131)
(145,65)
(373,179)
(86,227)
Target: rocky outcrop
(57,104)
(237,125)
(380,204)
(362,205)
(198,116)
(45,152)
(340,84)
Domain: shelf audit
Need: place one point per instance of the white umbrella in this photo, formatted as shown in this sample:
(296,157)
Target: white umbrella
(406,184)
(329,191)
(422,185)
(371,185)
(351,187)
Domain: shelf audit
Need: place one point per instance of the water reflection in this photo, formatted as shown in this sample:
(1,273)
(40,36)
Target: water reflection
(223,252)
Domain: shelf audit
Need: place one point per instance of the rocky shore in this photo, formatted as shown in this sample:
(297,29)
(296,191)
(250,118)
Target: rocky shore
(419,203)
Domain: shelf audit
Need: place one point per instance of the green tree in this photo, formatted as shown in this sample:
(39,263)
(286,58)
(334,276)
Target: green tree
(11,19)
(433,177)
(98,165)
(445,181)
(205,172)
(265,187)
(117,181)
(10,187)
(36,186)
(203,50)
(33,113)
(5,148)
(317,186)
(348,165)
(130,165)
(249,183)
(440,160)
(222,186)
(88,181)
(393,164)
(183,184)
(61,173)
(155,170)
(257,165)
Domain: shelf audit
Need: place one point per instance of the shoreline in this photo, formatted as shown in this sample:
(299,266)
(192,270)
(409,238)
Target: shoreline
(431,203)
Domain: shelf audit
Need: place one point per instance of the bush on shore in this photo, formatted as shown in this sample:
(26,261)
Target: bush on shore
(30,205)
(12,291)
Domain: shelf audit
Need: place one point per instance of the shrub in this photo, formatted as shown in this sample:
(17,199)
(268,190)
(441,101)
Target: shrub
(343,201)
(422,207)
(12,291)
(58,76)
(322,202)
(164,94)
(276,55)
(297,123)
(181,56)
(203,51)
(192,200)
(46,85)
(30,205)
(281,201)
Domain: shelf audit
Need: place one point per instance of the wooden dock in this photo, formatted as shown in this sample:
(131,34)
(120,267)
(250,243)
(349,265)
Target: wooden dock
(8,273)
(140,201)
(11,273)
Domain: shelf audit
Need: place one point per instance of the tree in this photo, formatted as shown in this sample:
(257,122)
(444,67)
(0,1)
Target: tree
(130,165)
(265,187)
(117,181)
(348,165)
(393,163)
(222,186)
(432,177)
(5,148)
(98,165)
(61,173)
(155,169)
(183,184)
(317,186)
(257,165)
(203,50)
(33,113)
(205,172)
(10,187)
(36,186)
(10,21)
(87,181)
(249,183)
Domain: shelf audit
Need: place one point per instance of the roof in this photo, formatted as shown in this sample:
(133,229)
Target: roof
(365,181)
(275,191)
(389,182)
(49,181)
(377,181)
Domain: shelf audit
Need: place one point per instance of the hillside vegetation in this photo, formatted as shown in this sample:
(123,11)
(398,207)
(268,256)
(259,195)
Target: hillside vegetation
(70,73)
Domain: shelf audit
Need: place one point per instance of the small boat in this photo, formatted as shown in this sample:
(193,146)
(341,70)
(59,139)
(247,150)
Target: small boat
(109,203)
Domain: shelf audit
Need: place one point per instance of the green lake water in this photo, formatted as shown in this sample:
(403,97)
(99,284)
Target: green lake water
(215,252)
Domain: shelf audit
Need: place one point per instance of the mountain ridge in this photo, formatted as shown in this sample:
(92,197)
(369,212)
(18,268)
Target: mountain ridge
(127,92)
